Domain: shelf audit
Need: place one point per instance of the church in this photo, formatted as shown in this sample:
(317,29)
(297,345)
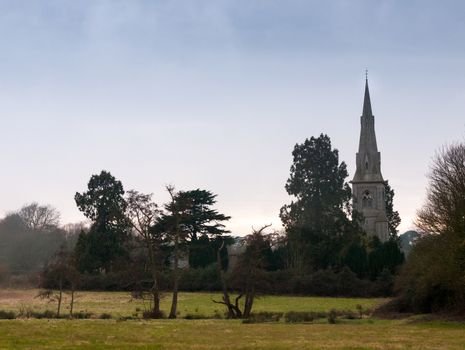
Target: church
(368,186)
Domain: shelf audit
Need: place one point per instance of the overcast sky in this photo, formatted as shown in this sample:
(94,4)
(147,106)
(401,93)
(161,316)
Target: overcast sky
(214,94)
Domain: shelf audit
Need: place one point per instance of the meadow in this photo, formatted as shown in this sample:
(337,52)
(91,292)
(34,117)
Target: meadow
(121,333)
(121,304)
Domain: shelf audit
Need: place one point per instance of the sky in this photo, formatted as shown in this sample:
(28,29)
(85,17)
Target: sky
(214,94)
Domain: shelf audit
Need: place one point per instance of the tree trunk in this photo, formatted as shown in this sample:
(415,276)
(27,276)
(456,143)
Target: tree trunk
(174,302)
(224,287)
(71,304)
(60,294)
(249,295)
(156,313)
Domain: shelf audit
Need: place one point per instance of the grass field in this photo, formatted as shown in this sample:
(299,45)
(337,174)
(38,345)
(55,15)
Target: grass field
(367,333)
(120,303)
(222,334)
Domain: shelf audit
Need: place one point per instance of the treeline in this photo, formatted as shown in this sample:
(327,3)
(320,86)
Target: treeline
(133,243)
(29,237)
(433,279)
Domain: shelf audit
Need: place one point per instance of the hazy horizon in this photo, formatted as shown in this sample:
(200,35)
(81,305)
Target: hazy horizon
(215,94)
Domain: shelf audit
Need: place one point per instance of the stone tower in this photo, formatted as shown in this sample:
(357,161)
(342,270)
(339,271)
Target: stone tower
(368,184)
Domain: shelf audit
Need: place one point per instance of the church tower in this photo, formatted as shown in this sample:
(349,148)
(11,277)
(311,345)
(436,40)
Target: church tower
(368,184)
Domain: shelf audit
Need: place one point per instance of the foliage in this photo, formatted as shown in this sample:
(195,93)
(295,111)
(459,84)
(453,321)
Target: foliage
(40,217)
(318,230)
(383,256)
(143,214)
(392,216)
(299,316)
(317,181)
(199,218)
(7,315)
(36,245)
(61,271)
(319,233)
(432,279)
(332,316)
(104,204)
(248,275)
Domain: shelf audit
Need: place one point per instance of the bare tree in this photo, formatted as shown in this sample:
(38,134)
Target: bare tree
(234,310)
(444,210)
(61,272)
(143,214)
(39,217)
(248,273)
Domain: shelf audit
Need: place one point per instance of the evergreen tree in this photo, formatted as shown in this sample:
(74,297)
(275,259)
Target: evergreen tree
(104,204)
(318,184)
(317,219)
(392,216)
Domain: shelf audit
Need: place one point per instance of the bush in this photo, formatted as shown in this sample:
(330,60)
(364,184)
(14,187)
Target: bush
(105,316)
(7,315)
(196,317)
(150,314)
(44,314)
(332,316)
(428,281)
(82,315)
(300,316)
(261,317)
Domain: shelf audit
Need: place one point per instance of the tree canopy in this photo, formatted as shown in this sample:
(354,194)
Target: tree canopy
(432,278)
(104,204)
(318,183)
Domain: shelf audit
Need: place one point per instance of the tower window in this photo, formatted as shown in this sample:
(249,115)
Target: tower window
(367,200)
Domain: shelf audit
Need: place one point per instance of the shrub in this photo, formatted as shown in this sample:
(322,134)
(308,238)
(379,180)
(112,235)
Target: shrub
(7,315)
(43,314)
(25,311)
(105,316)
(261,317)
(150,314)
(332,316)
(196,317)
(299,316)
(82,315)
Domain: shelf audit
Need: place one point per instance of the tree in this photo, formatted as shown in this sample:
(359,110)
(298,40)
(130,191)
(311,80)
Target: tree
(61,273)
(104,204)
(392,216)
(35,247)
(317,182)
(248,274)
(188,219)
(199,218)
(39,217)
(202,224)
(169,225)
(143,215)
(316,222)
(432,278)
(444,209)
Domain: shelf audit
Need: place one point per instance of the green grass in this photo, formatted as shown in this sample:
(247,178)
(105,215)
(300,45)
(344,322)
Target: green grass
(223,334)
(367,333)
(120,303)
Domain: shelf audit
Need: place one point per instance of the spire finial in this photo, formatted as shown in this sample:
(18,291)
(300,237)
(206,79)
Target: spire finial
(366,100)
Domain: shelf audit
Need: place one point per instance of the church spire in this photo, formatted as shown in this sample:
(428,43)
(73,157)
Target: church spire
(366,101)
(368,157)
(368,186)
